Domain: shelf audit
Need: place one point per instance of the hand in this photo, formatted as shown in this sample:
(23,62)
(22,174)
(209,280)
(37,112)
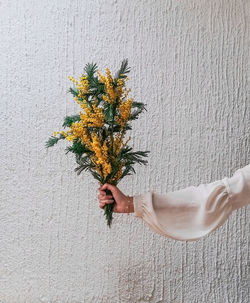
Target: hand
(124,204)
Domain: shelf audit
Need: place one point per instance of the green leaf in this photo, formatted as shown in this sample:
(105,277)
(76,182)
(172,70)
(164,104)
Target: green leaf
(129,170)
(53,140)
(133,157)
(84,163)
(74,91)
(95,175)
(124,69)
(139,105)
(117,128)
(90,70)
(69,120)
(135,114)
(78,148)
(109,112)
(115,168)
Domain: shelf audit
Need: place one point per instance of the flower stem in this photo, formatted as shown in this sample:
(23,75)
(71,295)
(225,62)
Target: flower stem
(109,209)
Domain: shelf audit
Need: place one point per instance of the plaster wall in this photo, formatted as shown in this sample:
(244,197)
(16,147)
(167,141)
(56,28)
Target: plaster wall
(190,64)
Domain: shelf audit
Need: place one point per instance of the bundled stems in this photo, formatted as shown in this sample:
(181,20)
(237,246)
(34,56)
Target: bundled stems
(109,209)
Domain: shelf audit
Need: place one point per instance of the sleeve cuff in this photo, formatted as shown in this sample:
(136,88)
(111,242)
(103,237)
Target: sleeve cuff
(239,187)
(139,202)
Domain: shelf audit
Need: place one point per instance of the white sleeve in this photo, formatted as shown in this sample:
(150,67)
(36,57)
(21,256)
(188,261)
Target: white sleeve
(193,212)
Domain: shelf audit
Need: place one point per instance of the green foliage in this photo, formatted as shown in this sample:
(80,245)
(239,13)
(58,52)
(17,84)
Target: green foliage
(109,112)
(117,128)
(131,157)
(129,170)
(96,88)
(108,210)
(123,71)
(90,69)
(53,140)
(95,175)
(84,163)
(139,105)
(135,114)
(138,108)
(78,148)
(69,120)
(74,91)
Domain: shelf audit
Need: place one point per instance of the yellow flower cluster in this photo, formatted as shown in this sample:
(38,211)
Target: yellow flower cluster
(125,110)
(82,86)
(78,131)
(119,89)
(91,118)
(65,134)
(109,86)
(125,93)
(117,176)
(101,153)
(117,144)
(112,93)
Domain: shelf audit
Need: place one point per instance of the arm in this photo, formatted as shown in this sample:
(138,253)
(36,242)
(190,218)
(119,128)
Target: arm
(193,212)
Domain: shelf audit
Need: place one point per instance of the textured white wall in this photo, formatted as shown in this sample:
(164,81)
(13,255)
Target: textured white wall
(190,64)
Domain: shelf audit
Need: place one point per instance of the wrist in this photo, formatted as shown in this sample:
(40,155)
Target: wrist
(129,208)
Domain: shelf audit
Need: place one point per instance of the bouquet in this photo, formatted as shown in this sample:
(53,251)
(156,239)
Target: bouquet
(97,134)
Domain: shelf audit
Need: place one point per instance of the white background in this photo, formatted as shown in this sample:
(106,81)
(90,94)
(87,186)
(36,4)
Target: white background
(190,64)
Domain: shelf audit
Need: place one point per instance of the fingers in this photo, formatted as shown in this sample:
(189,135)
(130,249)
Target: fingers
(104,202)
(101,205)
(112,188)
(107,201)
(103,193)
(104,197)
